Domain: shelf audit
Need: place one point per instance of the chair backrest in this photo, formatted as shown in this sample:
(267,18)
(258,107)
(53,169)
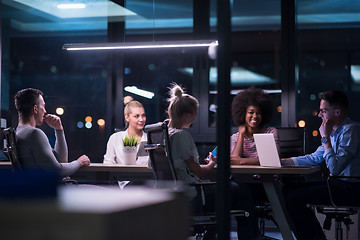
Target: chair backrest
(336,198)
(10,149)
(291,141)
(159,151)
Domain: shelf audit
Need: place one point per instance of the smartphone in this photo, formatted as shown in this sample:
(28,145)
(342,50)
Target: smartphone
(214,152)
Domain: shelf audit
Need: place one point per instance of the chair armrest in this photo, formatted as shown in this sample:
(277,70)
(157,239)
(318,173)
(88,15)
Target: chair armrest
(202,183)
(68,180)
(151,146)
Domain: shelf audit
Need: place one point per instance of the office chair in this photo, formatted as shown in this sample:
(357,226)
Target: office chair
(11,152)
(162,164)
(339,212)
(10,149)
(291,141)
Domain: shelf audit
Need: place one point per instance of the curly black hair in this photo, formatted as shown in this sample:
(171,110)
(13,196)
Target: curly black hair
(255,97)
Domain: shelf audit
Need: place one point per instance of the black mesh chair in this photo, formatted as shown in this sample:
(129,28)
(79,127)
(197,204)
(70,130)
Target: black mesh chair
(338,211)
(291,141)
(163,168)
(10,149)
(159,152)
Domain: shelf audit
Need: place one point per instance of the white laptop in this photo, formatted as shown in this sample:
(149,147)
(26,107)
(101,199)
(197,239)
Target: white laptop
(267,150)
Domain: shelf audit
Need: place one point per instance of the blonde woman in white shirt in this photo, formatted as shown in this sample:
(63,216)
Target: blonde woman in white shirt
(135,119)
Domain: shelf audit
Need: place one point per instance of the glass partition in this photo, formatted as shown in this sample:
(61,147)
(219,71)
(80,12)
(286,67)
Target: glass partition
(328,58)
(82,82)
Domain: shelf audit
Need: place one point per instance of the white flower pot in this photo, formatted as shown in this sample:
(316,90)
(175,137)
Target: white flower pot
(130,154)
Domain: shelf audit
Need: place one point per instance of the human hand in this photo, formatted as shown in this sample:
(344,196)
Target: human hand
(53,121)
(326,128)
(84,160)
(242,130)
(287,162)
(211,160)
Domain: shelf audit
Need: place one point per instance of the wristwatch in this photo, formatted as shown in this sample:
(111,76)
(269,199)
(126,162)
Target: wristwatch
(324,140)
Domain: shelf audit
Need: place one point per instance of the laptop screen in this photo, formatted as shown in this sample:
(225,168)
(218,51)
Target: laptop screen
(267,150)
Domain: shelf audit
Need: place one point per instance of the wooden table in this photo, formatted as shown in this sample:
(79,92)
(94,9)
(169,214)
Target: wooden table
(247,169)
(270,178)
(101,167)
(99,173)
(5,165)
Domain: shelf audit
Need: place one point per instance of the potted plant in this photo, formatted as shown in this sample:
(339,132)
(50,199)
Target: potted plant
(130,141)
(130,149)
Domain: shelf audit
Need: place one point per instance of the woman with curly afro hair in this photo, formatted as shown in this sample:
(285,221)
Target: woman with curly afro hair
(252,109)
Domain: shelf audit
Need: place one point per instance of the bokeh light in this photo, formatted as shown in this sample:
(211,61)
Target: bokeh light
(101,122)
(88,119)
(59,111)
(301,123)
(80,124)
(315,133)
(151,66)
(88,125)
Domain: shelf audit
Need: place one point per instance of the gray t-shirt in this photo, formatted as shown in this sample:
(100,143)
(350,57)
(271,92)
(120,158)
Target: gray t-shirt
(182,148)
(34,151)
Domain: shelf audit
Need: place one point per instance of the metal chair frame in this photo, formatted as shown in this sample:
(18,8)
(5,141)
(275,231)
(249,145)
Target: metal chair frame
(340,213)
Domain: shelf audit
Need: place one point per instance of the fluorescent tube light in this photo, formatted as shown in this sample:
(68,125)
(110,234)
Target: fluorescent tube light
(71,6)
(140,92)
(355,73)
(234,92)
(139,45)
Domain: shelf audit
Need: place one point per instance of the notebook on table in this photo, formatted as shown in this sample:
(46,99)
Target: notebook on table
(267,150)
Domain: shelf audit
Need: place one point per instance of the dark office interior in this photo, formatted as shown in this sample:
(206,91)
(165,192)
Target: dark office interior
(321,52)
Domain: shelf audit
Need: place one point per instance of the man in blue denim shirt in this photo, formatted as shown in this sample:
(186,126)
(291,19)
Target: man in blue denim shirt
(340,149)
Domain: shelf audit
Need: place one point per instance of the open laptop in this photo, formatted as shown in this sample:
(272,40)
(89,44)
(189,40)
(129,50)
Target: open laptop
(267,150)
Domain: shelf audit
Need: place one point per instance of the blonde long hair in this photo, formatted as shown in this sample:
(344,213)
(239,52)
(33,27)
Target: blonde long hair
(180,103)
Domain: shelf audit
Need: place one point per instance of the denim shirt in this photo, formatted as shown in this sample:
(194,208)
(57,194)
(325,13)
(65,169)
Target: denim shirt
(343,159)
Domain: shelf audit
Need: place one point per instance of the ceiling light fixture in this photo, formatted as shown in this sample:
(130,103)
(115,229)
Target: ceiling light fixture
(71,6)
(140,92)
(139,45)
